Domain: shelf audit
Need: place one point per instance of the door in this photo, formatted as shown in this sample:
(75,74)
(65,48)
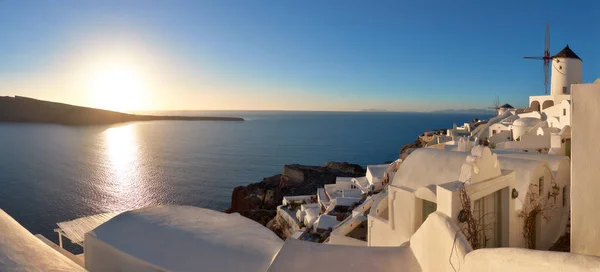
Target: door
(488,211)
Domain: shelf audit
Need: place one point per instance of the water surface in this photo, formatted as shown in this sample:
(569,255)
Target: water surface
(54,173)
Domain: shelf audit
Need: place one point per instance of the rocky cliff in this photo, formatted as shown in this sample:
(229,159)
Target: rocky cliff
(258,201)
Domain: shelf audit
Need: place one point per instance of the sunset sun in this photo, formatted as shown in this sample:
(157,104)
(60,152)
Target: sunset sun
(117,88)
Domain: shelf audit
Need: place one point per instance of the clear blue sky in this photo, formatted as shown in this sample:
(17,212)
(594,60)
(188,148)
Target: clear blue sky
(295,55)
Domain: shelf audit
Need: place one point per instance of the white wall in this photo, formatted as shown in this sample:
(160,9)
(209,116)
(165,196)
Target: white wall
(298,199)
(338,239)
(21,251)
(498,128)
(585,173)
(439,245)
(565,71)
(562,113)
(527,142)
(97,253)
(404,218)
(499,137)
(293,222)
(338,235)
(517,260)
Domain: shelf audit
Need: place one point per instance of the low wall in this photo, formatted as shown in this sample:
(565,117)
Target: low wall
(288,218)
(288,199)
(517,259)
(337,239)
(380,234)
(439,245)
(21,251)
(365,206)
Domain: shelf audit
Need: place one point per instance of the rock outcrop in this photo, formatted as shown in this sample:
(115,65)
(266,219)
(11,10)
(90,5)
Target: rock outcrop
(259,201)
(418,143)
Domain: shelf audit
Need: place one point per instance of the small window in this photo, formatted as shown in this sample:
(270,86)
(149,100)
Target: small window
(557,60)
(560,67)
(494,132)
(564,112)
(541,185)
(565,90)
(564,192)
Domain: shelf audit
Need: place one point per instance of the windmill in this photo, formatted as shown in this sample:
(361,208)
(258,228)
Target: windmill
(496,104)
(500,108)
(546,58)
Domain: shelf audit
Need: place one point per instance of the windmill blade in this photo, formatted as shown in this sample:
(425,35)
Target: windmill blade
(547,58)
(536,58)
(547,48)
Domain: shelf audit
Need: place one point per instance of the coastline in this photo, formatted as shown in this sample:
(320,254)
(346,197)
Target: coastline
(20,109)
(259,201)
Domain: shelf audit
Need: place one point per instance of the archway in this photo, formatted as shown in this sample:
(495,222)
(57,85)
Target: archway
(535,106)
(547,104)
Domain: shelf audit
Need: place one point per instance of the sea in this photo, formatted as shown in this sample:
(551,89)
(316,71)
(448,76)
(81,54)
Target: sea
(53,173)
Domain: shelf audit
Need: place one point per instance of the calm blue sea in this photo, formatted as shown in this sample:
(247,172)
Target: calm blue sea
(54,173)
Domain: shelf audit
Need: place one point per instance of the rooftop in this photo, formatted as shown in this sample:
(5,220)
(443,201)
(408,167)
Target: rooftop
(567,53)
(183,238)
(427,166)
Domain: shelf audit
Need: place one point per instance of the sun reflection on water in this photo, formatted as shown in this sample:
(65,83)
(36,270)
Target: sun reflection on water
(121,145)
(122,155)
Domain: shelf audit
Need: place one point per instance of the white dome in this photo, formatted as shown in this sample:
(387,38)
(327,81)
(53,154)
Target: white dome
(180,238)
(426,166)
(526,122)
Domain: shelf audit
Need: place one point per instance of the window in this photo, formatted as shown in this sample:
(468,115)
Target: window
(564,112)
(565,90)
(564,192)
(560,67)
(494,132)
(541,185)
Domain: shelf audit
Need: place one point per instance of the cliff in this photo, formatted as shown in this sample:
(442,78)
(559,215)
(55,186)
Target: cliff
(28,110)
(258,201)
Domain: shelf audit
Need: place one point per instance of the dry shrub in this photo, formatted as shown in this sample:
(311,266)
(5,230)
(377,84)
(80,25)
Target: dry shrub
(536,204)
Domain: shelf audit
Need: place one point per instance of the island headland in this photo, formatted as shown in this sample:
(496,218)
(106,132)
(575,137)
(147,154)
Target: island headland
(20,109)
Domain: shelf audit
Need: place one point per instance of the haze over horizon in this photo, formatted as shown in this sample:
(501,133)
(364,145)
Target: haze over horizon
(271,55)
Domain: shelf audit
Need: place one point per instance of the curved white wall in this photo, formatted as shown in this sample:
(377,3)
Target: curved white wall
(518,131)
(565,71)
(21,251)
(516,259)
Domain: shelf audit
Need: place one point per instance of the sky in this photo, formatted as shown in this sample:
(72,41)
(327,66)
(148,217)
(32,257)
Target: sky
(288,55)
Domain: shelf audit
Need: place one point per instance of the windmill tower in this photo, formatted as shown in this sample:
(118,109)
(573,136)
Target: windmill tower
(496,105)
(500,108)
(566,69)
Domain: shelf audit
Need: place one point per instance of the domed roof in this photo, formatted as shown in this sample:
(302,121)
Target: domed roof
(185,238)
(567,53)
(526,122)
(426,166)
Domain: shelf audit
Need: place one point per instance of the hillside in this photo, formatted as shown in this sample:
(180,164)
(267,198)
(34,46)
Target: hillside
(28,110)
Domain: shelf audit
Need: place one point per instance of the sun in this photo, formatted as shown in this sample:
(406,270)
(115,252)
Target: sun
(117,88)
